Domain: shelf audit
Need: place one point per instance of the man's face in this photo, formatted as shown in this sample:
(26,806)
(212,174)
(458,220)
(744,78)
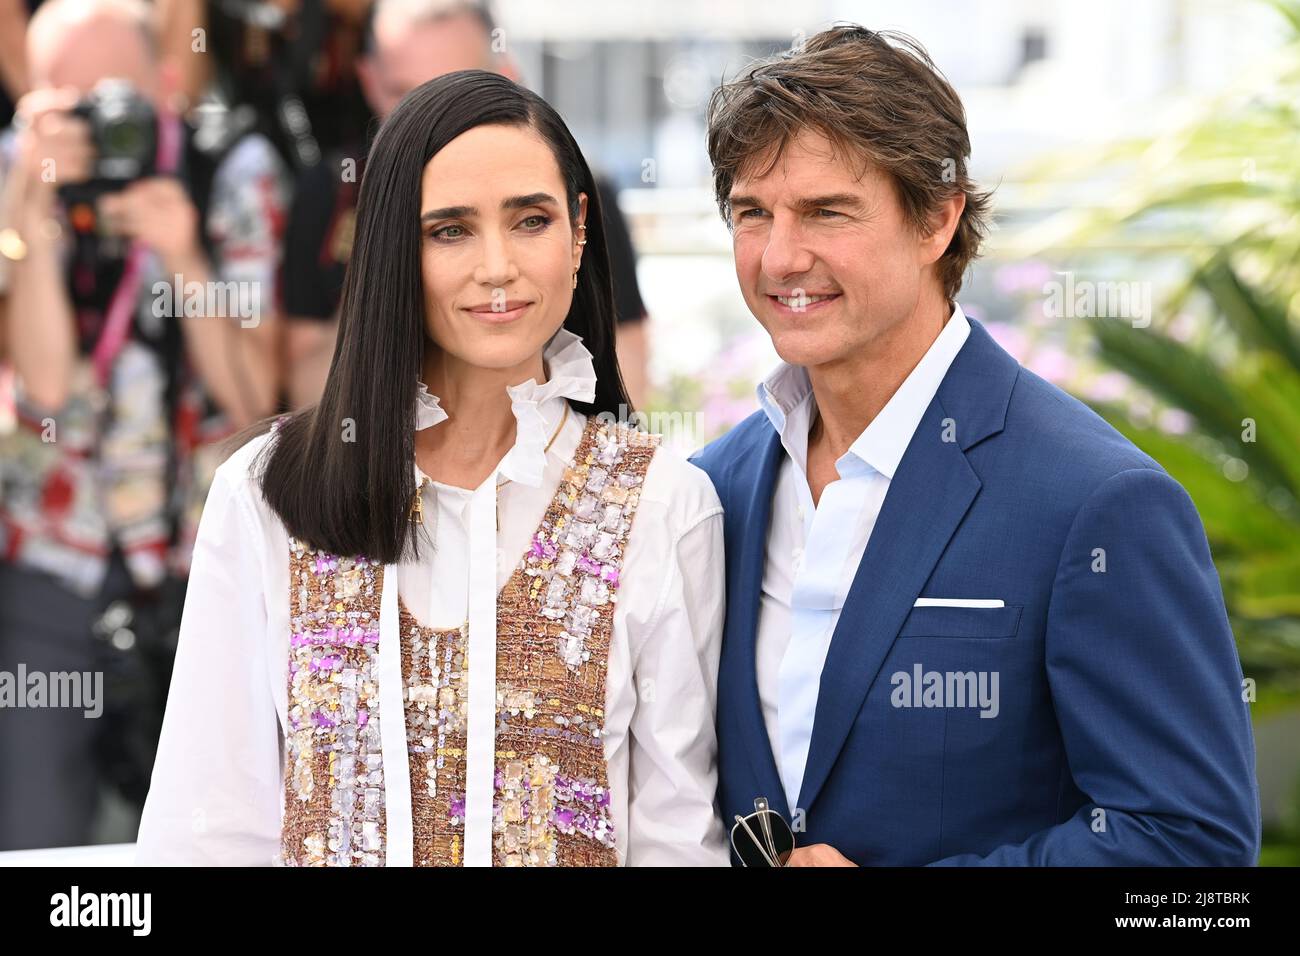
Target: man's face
(824,257)
(408,55)
(94,50)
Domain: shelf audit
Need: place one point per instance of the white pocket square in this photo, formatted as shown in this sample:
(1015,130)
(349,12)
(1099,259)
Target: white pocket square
(958,602)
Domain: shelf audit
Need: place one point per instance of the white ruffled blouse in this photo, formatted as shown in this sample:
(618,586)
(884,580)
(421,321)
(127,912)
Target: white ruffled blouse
(217,784)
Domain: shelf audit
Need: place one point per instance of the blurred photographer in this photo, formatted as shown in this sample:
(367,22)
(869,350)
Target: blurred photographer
(406,43)
(137,264)
(292,63)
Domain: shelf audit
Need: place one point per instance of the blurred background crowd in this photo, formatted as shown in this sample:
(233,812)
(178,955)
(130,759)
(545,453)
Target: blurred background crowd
(1149,148)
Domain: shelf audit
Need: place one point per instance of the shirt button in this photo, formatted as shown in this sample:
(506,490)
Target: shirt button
(797,556)
(799,512)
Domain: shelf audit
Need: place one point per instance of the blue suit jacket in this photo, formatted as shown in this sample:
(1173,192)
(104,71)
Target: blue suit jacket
(1120,689)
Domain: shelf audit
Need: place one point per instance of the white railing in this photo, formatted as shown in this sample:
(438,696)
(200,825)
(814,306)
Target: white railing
(105,854)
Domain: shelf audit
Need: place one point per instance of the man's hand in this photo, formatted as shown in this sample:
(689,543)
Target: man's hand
(819,854)
(158,212)
(53,147)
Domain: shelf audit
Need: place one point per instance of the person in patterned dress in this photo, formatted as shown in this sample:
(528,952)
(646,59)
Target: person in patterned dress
(458,613)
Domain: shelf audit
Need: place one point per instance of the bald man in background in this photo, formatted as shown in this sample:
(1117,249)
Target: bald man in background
(407,43)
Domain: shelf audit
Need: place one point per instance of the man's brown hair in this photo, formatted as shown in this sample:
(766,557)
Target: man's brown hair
(875,96)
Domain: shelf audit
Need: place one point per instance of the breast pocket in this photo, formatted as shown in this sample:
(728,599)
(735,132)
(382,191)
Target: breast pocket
(974,622)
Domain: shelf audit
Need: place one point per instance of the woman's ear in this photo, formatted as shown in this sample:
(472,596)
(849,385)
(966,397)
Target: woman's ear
(581,218)
(580,229)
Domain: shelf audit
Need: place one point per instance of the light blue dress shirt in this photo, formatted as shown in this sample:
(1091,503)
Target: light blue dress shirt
(813,551)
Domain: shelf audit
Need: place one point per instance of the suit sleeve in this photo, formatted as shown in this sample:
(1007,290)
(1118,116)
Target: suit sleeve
(1147,688)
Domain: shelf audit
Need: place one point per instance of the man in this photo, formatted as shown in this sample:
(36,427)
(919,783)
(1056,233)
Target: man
(124,382)
(967,622)
(407,43)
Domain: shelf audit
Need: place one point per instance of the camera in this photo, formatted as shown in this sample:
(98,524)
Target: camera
(123,131)
(124,135)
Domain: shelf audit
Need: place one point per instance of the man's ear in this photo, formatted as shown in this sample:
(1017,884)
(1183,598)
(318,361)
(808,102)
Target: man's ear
(943,223)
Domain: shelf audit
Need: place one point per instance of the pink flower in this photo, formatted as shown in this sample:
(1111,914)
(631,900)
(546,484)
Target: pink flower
(1106,387)
(1175,421)
(1052,364)
(1010,338)
(1024,276)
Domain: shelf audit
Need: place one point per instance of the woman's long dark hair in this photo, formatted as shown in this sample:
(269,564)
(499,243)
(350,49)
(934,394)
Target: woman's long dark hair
(352,497)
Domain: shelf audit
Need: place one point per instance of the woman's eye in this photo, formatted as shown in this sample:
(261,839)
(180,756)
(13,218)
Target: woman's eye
(455,231)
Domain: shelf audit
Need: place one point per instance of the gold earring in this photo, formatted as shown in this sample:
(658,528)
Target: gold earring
(580,242)
(417,506)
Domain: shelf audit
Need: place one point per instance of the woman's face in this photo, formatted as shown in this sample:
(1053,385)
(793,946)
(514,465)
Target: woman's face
(498,248)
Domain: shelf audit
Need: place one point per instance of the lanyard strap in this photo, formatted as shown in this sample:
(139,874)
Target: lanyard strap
(117,322)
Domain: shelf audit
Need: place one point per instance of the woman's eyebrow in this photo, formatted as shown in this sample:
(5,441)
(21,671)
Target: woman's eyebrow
(513,202)
(532,199)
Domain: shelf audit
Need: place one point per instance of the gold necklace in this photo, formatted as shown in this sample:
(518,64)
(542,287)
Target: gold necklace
(554,435)
(417,506)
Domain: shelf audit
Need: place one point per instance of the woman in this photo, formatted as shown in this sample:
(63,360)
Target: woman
(368,672)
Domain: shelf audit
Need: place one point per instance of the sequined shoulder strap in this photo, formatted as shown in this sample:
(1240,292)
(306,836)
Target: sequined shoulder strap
(576,556)
(333,779)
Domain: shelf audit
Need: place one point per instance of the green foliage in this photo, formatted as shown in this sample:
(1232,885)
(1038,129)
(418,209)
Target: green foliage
(1219,197)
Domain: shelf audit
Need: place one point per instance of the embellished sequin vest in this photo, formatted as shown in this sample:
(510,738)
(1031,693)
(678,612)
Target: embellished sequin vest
(551,803)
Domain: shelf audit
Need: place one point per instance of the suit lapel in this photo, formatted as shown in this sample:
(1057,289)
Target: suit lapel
(927,498)
(745,593)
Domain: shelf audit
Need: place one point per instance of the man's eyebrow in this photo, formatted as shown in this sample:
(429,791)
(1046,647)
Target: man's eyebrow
(841,200)
(513,202)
